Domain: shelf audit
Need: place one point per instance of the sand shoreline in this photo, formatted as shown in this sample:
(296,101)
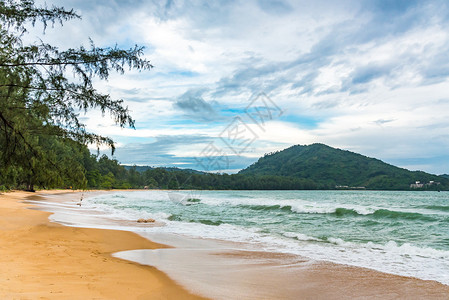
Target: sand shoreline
(42,259)
(45,260)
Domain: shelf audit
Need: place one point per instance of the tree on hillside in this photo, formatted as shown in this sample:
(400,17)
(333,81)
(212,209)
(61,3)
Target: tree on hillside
(38,102)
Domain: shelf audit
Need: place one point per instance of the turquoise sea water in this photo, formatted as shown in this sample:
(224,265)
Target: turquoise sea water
(405,233)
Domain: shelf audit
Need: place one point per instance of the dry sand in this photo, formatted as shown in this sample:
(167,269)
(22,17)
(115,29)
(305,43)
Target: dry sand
(44,260)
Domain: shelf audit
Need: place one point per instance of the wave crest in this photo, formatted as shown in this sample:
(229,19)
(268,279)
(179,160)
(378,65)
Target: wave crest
(377,213)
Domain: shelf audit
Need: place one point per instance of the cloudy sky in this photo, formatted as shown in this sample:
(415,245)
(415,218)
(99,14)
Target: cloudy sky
(236,79)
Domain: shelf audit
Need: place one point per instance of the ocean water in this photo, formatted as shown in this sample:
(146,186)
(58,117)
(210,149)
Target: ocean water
(404,233)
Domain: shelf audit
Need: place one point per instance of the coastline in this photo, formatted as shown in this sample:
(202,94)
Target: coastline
(88,265)
(42,259)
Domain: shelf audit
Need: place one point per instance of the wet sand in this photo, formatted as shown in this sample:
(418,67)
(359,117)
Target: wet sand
(223,270)
(44,260)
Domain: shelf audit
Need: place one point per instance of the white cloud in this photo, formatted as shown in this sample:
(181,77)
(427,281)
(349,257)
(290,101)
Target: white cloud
(355,75)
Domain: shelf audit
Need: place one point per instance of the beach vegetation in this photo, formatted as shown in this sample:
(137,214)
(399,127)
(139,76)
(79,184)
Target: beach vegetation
(43,90)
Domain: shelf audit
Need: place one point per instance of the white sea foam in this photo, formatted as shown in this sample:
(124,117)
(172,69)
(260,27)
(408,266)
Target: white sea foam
(402,259)
(406,259)
(297,205)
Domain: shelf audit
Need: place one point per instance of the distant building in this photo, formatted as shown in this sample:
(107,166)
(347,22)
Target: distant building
(416,185)
(419,185)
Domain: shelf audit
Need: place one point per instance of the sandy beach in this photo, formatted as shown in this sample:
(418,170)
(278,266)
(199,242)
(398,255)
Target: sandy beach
(44,260)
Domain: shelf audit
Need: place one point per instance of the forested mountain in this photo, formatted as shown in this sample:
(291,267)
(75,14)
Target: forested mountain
(315,166)
(329,167)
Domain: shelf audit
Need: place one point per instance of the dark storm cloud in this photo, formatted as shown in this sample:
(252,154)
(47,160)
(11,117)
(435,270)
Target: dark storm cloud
(194,106)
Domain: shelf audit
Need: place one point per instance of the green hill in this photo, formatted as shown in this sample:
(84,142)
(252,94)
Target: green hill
(329,168)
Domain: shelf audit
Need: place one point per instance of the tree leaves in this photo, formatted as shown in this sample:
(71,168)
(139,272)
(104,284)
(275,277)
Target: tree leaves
(38,100)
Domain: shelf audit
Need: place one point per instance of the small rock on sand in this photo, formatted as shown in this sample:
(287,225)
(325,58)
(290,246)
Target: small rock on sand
(146,220)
